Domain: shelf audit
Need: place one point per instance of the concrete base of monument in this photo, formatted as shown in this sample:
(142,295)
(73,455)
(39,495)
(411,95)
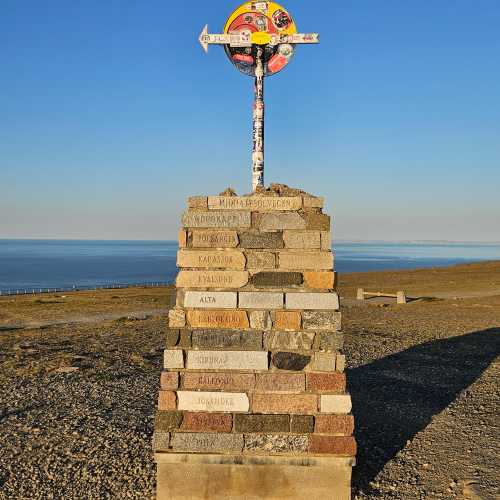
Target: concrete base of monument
(235,477)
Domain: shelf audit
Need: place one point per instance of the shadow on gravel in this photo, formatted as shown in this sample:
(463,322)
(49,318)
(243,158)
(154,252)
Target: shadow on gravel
(396,397)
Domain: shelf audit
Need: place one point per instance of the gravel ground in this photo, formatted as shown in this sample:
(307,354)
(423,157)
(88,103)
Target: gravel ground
(77,403)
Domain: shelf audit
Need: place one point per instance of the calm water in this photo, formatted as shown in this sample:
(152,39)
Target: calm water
(26,264)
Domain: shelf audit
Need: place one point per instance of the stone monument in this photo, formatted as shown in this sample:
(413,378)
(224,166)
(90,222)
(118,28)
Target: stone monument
(253,401)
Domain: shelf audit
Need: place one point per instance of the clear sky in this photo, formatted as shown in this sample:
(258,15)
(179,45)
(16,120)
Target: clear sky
(111,115)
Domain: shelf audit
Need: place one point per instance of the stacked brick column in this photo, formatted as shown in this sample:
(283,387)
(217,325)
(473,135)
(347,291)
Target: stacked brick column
(253,366)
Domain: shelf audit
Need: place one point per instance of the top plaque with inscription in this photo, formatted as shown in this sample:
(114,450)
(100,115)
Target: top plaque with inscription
(254,203)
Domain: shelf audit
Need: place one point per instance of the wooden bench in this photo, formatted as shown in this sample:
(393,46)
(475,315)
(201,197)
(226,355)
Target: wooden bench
(399,296)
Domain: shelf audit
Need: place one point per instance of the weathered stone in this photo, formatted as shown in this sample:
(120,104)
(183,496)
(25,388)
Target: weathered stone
(276,443)
(211,279)
(277,279)
(287,320)
(302,424)
(227,360)
(309,300)
(340,363)
(333,445)
(313,202)
(324,280)
(182,238)
(213,219)
(260,260)
(338,403)
(261,240)
(206,442)
(210,300)
(161,441)
(260,320)
(323,362)
(213,401)
(280,382)
(288,340)
(280,221)
(176,318)
(254,203)
(321,320)
(260,300)
(261,423)
(226,339)
(207,422)
(167,420)
(342,425)
(302,239)
(305,260)
(211,259)
(173,359)
(173,337)
(218,319)
(214,239)
(326,382)
(329,341)
(225,381)
(326,240)
(304,404)
(317,221)
(197,202)
(169,381)
(167,401)
(290,361)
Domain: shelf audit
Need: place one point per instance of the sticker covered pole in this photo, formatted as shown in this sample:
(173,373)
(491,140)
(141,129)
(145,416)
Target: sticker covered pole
(258,124)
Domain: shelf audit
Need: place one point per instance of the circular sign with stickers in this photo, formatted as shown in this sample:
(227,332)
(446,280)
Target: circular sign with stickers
(260,24)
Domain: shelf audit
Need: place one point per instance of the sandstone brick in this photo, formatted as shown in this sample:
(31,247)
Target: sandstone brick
(183,238)
(207,422)
(313,202)
(225,381)
(309,300)
(340,363)
(168,420)
(288,340)
(277,279)
(306,404)
(290,361)
(169,381)
(326,240)
(326,382)
(205,442)
(173,359)
(212,279)
(260,260)
(212,401)
(323,362)
(322,320)
(280,221)
(210,300)
(214,239)
(261,203)
(324,280)
(276,443)
(227,339)
(216,219)
(280,382)
(167,401)
(329,341)
(302,239)
(161,441)
(261,240)
(197,202)
(302,424)
(260,300)
(314,261)
(316,221)
(340,404)
(261,423)
(260,320)
(211,259)
(227,360)
(287,320)
(218,319)
(176,318)
(342,425)
(333,445)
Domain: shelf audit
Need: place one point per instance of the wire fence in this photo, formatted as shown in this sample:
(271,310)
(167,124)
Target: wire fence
(75,288)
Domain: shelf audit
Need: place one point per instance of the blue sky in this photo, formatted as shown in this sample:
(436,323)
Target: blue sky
(111,115)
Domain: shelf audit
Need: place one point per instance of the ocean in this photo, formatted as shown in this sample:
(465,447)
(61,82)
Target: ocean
(35,264)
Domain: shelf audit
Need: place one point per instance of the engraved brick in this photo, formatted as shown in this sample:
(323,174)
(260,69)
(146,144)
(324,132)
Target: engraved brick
(306,404)
(261,423)
(287,320)
(176,318)
(290,361)
(316,221)
(333,445)
(212,279)
(167,401)
(302,424)
(322,320)
(161,441)
(182,238)
(207,422)
(340,363)
(276,443)
(213,401)
(313,202)
(302,239)
(305,260)
(340,404)
(218,319)
(261,240)
(216,219)
(173,359)
(323,362)
(227,360)
(227,339)
(260,320)
(280,382)
(288,340)
(169,381)
(197,202)
(326,382)
(260,300)
(279,221)
(260,260)
(326,240)
(311,300)
(277,279)
(329,341)
(224,381)
(168,420)
(210,300)
(205,442)
(254,203)
(214,239)
(211,259)
(319,279)
(342,425)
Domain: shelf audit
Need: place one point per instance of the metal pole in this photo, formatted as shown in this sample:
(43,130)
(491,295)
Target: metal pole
(258,124)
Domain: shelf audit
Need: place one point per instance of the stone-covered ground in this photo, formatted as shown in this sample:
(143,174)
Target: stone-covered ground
(77,397)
